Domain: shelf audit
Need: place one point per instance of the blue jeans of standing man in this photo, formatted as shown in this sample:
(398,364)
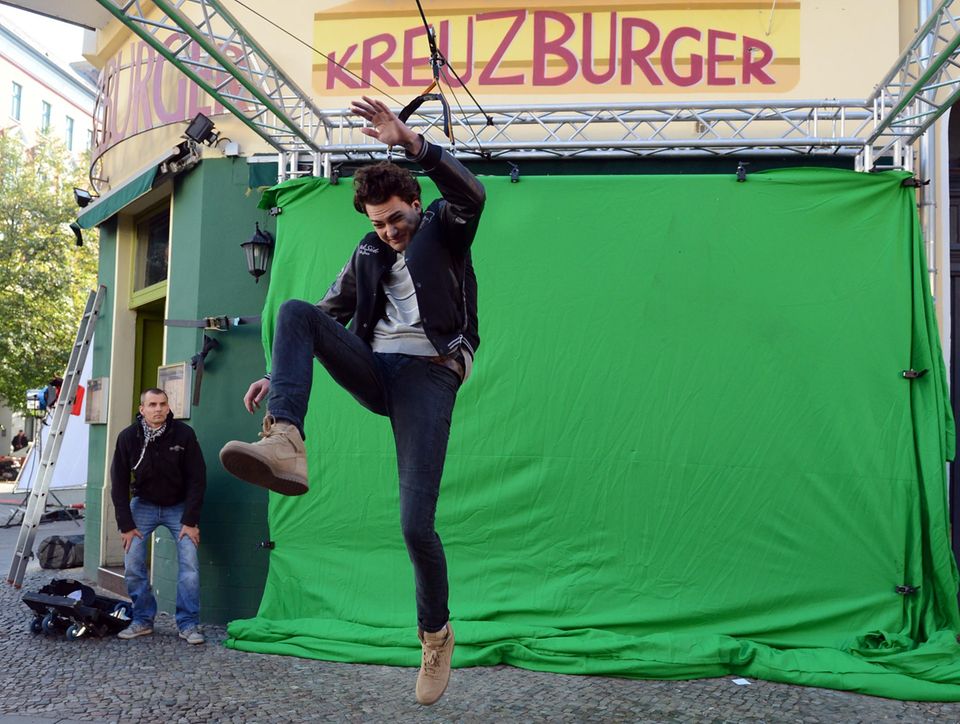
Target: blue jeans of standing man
(148,517)
(418,397)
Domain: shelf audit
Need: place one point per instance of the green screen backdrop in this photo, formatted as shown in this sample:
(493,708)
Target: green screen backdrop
(687,448)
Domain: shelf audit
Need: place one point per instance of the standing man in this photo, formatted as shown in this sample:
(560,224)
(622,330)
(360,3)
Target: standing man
(162,460)
(410,296)
(19,441)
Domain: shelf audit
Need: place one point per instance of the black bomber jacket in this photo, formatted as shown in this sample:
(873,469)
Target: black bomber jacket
(172,471)
(438,258)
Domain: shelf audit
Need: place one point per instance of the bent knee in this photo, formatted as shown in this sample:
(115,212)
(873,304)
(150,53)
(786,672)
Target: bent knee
(295,307)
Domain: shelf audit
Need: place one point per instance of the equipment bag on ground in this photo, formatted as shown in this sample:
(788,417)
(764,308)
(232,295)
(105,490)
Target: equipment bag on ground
(61,551)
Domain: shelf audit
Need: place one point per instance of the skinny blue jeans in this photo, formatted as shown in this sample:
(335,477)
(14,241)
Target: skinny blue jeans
(415,394)
(148,517)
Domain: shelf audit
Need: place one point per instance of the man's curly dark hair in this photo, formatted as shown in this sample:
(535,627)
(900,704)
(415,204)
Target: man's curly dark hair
(376,184)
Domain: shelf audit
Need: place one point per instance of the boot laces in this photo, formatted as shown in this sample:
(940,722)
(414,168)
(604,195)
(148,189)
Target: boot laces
(268,423)
(431,661)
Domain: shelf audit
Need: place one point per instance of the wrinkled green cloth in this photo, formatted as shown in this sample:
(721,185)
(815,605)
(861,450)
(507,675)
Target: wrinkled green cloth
(687,448)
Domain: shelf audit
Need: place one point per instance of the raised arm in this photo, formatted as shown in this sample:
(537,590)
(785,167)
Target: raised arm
(464,194)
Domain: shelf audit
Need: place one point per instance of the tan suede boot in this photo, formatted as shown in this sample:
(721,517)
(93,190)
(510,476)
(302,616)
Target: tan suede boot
(277,461)
(435,667)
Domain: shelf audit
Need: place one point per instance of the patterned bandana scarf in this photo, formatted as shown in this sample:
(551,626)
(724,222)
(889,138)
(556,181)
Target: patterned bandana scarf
(149,435)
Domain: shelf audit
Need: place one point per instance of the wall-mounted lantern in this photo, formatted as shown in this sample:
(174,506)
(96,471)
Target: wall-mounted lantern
(258,251)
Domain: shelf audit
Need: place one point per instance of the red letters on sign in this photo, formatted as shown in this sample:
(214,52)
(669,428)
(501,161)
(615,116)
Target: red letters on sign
(376,64)
(715,58)
(753,67)
(163,115)
(681,56)
(336,74)
(412,39)
(668,53)
(588,72)
(486,75)
(641,57)
(543,48)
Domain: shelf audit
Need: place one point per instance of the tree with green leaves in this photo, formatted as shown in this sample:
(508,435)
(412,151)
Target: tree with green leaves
(44,276)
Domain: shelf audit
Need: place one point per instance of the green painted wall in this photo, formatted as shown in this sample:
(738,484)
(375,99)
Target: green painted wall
(97,444)
(213,212)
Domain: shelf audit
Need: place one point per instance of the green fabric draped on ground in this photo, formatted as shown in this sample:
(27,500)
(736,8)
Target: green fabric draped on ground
(687,448)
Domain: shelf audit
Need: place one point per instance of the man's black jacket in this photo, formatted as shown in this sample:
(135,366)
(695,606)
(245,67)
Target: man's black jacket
(172,471)
(438,258)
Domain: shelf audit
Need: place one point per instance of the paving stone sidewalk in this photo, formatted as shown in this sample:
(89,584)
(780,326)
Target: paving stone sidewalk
(160,678)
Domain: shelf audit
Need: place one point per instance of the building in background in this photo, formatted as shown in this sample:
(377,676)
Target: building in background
(40,92)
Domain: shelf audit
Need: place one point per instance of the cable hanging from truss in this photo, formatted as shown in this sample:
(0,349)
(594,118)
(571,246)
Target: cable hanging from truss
(323,55)
(437,62)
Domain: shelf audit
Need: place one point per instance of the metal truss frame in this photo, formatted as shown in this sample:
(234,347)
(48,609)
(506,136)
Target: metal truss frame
(637,129)
(922,84)
(218,54)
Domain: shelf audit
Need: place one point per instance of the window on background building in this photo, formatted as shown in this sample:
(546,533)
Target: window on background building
(15,101)
(68,133)
(152,248)
(89,139)
(45,117)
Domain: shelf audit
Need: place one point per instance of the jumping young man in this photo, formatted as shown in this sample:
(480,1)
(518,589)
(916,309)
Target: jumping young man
(409,295)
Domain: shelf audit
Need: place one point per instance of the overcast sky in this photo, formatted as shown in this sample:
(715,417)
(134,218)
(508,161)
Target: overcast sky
(61,41)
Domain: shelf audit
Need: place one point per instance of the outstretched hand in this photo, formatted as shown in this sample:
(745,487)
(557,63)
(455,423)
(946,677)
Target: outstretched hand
(385,126)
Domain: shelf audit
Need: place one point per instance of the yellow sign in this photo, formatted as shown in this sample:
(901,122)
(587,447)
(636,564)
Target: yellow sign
(542,48)
(502,53)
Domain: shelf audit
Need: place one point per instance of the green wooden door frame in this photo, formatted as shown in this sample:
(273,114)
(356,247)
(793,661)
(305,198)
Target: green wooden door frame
(148,350)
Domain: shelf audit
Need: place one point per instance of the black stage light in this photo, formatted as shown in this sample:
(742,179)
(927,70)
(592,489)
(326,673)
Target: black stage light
(82,197)
(201,130)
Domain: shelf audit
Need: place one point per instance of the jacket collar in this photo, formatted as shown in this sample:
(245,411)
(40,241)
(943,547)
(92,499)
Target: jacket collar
(386,256)
(166,422)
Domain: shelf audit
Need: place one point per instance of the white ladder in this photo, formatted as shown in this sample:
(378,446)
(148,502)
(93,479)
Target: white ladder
(37,502)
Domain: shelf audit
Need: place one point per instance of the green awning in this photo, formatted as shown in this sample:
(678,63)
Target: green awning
(114,201)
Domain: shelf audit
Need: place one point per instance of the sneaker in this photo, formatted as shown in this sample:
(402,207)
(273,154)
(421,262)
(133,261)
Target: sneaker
(278,461)
(136,629)
(435,668)
(192,635)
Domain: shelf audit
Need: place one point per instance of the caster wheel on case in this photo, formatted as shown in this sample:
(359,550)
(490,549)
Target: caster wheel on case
(48,624)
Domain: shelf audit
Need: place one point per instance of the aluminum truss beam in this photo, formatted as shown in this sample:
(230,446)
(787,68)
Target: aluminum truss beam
(922,84)
(220,56)
(645,129)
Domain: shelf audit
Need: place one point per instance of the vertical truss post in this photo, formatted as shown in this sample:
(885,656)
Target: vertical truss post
(927,163)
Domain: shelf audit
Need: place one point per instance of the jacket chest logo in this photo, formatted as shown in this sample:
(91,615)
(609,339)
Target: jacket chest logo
(176,448)
(367,250)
